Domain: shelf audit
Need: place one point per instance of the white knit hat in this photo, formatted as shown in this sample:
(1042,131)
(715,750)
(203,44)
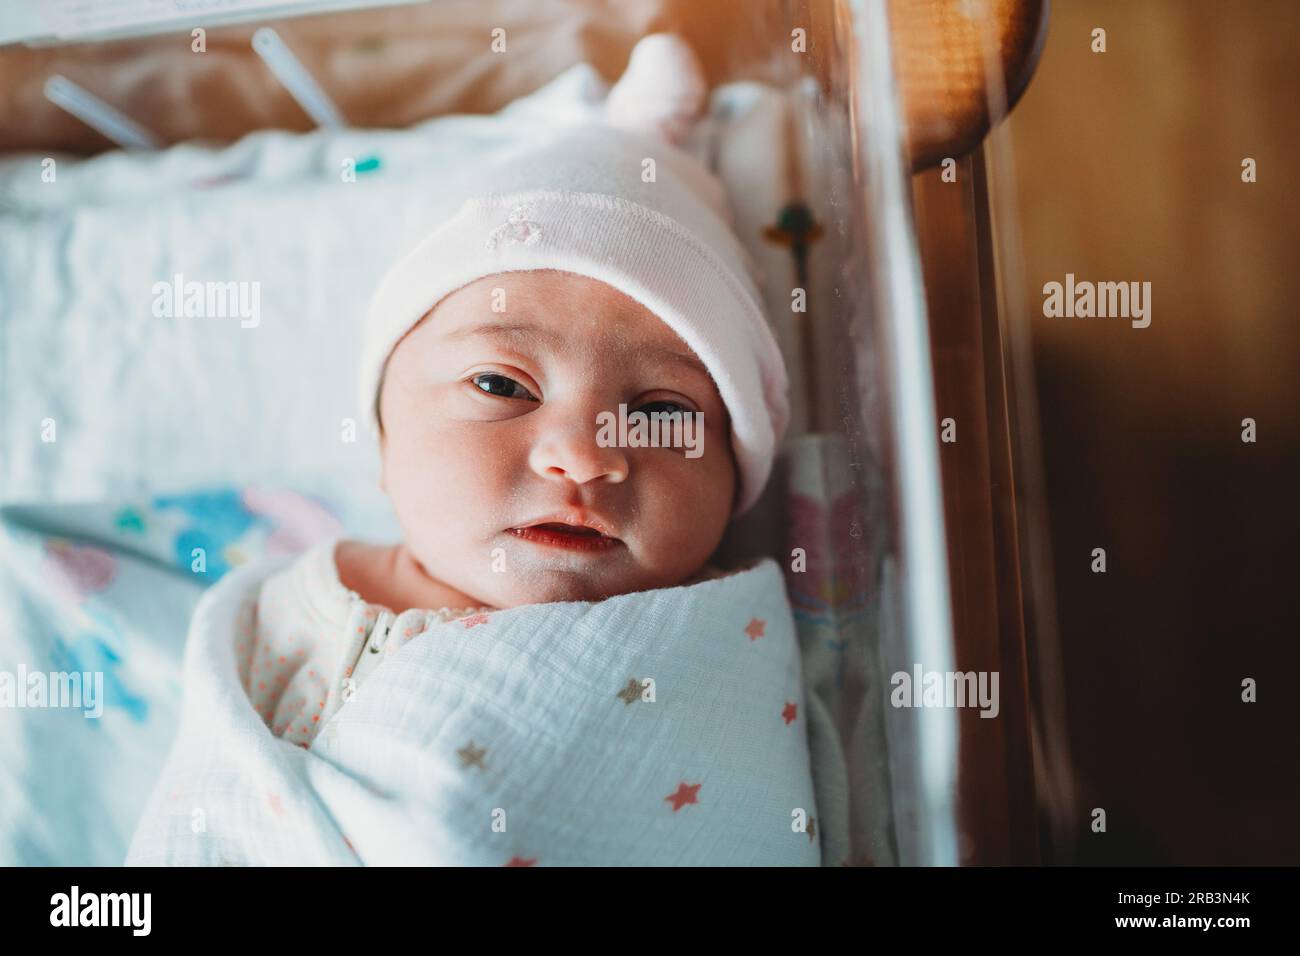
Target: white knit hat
(575,200)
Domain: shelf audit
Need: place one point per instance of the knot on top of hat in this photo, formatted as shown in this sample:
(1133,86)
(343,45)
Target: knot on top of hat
(517,228)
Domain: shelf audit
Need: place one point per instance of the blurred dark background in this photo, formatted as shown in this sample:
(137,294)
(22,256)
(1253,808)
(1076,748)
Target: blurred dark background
(1128,167)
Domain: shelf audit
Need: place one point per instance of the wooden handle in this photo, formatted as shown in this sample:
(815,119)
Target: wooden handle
(945,54)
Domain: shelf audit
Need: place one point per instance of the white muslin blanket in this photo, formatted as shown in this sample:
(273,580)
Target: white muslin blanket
(663,727)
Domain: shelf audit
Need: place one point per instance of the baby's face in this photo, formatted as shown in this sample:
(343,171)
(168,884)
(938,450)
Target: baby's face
(490,425)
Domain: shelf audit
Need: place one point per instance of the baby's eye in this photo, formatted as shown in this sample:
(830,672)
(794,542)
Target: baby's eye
(502,386)
(664,407)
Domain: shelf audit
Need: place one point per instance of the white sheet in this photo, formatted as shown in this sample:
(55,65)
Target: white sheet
(108,589)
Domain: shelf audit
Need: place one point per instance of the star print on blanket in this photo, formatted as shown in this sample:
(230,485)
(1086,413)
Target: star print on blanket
(656,728)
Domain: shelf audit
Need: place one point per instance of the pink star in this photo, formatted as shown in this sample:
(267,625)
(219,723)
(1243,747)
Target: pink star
(791,710)
(474,619)
(684,795)
(755,628)
(522,861)
(274,800)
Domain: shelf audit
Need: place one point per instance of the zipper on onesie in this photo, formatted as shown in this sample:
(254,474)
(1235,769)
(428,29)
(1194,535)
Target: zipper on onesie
(372,651)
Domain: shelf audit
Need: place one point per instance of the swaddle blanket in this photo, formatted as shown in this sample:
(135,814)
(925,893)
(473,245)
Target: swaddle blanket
(663,727)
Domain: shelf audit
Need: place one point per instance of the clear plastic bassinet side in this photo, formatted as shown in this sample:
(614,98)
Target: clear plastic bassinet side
(857,493)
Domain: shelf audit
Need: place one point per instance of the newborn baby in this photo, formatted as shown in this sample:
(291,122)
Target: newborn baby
(505,494)
(490,445)
(596,274)
(549,643)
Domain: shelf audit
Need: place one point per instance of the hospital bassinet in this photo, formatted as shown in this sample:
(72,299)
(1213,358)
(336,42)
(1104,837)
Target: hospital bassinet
(851,135)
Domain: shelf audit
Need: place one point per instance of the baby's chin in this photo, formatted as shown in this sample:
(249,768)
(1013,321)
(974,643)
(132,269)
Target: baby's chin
(552,584)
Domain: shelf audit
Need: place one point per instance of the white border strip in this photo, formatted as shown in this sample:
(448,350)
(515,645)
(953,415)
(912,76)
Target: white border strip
(288,69)
(97,114)
(899,294)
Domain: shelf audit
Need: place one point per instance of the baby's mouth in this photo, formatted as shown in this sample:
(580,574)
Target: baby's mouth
(557,534)
(563,528)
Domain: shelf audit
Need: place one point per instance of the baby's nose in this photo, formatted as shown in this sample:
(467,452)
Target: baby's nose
(579,453)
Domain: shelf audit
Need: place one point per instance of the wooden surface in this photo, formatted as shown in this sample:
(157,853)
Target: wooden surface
(960,65)
(1127,168)
(996,785)
(397,66)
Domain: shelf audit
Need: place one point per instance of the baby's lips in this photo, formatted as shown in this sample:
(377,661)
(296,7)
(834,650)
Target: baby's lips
(574,521)
(568,537)
(569,529)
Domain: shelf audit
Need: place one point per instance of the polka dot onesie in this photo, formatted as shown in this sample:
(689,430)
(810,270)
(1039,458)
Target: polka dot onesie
(312,641)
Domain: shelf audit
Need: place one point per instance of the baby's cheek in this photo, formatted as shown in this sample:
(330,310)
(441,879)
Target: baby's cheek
(713,474)
(417,487)
(448,491)
(687,502)
(429,453)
